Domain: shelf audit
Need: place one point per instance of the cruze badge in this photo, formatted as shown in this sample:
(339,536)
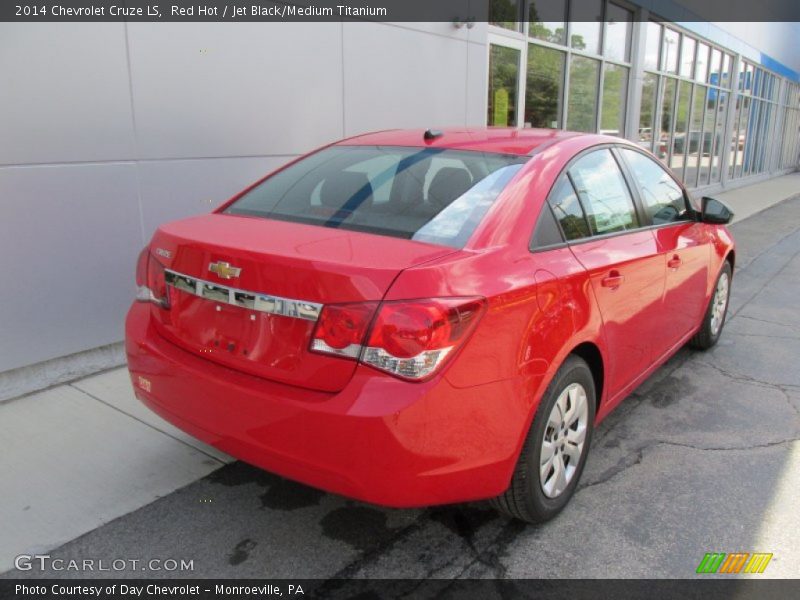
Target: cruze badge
(224,270)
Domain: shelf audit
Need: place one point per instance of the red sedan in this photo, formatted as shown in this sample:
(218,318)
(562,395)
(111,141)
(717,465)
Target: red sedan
(413,318)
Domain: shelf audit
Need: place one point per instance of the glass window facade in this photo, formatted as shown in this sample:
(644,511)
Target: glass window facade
(586,25)
(688,48)
(669,50)
(544,90)
(678,150)
(584,76)
(506,14)
(503,80)
(692,96)
(615,95)
(548,20)
(708,114)
(765,132)
(577,65)
(617,38)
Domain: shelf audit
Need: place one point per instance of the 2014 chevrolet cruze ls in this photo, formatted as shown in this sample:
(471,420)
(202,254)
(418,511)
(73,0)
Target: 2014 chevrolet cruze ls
(415,318)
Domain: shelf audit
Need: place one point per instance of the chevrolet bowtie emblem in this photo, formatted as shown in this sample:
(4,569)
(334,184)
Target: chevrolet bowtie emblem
(224,270)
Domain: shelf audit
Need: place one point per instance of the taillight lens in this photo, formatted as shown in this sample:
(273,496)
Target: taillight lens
(409,339)
(150,280)
(413,339)
(341,328)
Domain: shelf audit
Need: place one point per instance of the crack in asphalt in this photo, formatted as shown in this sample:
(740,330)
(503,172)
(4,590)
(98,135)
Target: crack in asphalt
(490,557)
(623,465)
(637,455)
(748,379)
(368,557)
(764,335)
(784,324)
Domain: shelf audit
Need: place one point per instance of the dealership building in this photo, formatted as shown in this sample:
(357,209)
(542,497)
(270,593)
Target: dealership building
(715,108)
(109,129)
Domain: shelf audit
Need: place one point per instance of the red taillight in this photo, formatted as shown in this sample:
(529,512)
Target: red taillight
(150,280)
(341,328)
(413,339)
(410,339)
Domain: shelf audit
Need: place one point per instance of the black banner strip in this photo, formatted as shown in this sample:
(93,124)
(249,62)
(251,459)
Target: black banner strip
(483,589)
(457,11)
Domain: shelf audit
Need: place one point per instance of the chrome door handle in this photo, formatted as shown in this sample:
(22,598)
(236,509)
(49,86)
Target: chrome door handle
(674,262)
(613,280)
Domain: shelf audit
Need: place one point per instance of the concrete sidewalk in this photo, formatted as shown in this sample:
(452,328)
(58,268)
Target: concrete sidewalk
(82,454)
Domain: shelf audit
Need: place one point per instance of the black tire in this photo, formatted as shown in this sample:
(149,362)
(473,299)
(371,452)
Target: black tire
(525,498)
(706,337)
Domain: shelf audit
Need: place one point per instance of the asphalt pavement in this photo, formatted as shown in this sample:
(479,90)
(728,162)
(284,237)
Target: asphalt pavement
(704,457)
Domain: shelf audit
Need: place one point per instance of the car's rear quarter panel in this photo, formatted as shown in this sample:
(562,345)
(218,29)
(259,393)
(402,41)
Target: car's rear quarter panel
(540,308)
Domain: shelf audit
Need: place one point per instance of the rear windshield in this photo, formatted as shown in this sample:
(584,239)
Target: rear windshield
(426,194)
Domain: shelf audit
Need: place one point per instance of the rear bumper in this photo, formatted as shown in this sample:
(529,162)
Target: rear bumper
(380,440)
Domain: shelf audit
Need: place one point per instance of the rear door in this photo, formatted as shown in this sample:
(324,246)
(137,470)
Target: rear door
(601,221)
(682,243)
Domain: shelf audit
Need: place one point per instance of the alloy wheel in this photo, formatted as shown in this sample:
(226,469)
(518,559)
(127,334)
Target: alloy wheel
(563,442)
(720,303)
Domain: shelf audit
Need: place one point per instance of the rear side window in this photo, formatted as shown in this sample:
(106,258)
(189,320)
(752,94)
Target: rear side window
(662,197)
(568,211)
(432,195)
(547,232)
(603,193)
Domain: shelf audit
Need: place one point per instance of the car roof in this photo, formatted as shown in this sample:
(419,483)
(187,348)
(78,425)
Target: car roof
(504,140)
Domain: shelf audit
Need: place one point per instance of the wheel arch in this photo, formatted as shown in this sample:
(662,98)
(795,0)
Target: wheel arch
(590,352)
(731,258)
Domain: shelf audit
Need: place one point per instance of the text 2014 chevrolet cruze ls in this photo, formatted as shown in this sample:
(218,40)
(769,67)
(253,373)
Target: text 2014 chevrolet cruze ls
(414,318)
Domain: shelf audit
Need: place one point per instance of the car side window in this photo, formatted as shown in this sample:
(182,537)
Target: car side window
(567,210)
(547,232)
(603,193)
(661,195)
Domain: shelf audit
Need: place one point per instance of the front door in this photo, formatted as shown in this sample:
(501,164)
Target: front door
(682,243)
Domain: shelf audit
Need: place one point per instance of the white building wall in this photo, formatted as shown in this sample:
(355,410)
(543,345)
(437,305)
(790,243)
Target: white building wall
(108,130)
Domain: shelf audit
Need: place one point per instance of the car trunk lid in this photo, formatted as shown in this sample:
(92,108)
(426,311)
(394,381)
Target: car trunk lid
(245,292)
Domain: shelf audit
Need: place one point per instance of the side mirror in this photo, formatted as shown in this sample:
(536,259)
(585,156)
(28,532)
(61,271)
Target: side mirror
(714,211)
